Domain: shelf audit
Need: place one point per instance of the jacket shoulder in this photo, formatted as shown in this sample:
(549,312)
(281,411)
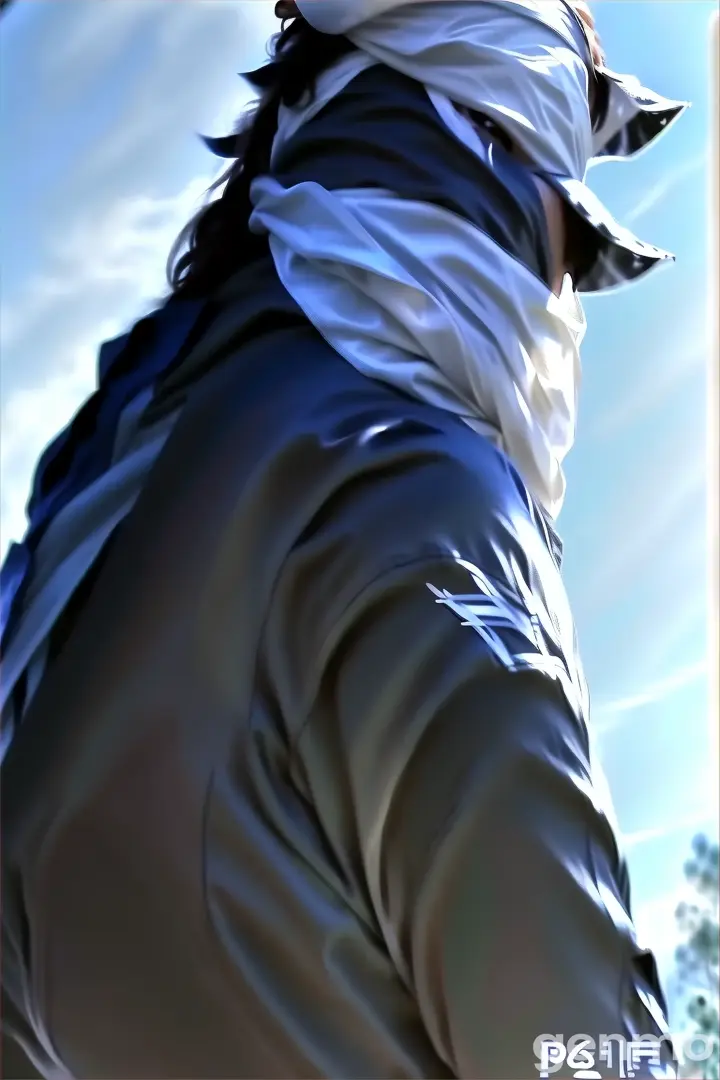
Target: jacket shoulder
(405,486)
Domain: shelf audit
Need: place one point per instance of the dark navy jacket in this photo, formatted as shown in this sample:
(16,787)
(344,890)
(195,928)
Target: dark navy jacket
(82,451)
(307,788)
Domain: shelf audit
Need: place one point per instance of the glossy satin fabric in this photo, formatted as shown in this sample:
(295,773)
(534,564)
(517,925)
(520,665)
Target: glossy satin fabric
(633,116)
(307,790)
(422,257)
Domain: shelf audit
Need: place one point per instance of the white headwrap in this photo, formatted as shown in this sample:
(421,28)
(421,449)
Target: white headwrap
(635,116)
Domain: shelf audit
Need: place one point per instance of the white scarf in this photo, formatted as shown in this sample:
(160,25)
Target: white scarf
(414,296)
(417,297)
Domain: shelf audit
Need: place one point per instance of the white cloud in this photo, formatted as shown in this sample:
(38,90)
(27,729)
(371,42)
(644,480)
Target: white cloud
(93,35)
(679,359)
(663,187)
(197,50)
(29,419)
(610,714)
(115,211)
(657,506)
(123,245)
(114,260)
(645,836)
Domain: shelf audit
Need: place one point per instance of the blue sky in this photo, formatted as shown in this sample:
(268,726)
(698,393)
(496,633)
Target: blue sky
(99,104)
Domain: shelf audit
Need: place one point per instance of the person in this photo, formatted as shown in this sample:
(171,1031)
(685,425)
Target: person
(297,776)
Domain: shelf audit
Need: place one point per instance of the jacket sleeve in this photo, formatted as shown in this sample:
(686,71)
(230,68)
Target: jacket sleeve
(492,867)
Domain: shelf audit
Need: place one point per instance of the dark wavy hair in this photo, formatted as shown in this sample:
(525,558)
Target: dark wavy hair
(217,241)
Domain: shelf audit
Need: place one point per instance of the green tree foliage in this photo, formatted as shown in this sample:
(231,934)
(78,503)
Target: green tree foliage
(697,958)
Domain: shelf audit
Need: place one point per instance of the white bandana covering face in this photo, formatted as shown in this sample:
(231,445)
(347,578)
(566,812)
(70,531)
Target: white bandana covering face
(410,293)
